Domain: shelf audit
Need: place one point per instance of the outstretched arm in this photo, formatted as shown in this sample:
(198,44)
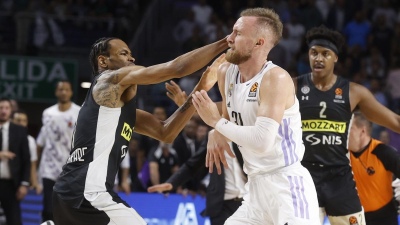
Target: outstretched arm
(372,109)
(181,66)
(167,130)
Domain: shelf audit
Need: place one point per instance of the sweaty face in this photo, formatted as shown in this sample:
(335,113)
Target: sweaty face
(64,92)
(20,119)
(5,111)
(241,41)
(322,60)
(120,55)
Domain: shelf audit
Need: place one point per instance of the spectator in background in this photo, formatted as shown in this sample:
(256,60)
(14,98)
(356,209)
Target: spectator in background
(393,83)
(14,164)
(310,16)
(336,17)
(184,144)
(21,118)
(14,105)
(54,141)
(202,12)
(201,133)
(184,29)
(357,31)
(163,162)
(381,36)
(141,149)
(384,137)
(374,164)
(385,9)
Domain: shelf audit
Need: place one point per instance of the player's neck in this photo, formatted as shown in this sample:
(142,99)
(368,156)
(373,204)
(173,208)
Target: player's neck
(64,106)
(324,82)
(250,68)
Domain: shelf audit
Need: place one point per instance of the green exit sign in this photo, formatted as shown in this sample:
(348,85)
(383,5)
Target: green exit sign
(33,79)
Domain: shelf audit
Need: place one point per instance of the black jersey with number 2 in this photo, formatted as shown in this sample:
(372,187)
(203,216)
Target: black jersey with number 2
(326,117)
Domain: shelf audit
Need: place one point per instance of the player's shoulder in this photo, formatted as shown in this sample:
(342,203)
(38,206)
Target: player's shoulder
(356,88)
(277,73)
(51,109)
(75,106)
(224,67)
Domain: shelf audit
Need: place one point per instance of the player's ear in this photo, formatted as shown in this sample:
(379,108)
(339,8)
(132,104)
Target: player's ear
(102,61)
(260,42)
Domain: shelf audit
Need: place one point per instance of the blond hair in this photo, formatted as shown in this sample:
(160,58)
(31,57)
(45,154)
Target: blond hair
(266,18)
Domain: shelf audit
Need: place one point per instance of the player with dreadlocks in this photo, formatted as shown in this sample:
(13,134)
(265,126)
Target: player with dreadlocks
(83,193)
(327,102)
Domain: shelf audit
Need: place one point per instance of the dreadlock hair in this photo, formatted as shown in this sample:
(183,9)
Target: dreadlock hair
(100,47)
(325,33)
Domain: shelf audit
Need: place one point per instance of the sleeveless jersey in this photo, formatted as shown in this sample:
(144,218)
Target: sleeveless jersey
(99,144)
(379,182)
(242,102)
(326,117)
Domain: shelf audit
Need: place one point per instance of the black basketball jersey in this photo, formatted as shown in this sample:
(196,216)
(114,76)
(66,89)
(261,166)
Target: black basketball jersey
(99,144)
(325,117)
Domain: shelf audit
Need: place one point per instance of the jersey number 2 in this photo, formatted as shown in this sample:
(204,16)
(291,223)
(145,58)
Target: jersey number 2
(321,113)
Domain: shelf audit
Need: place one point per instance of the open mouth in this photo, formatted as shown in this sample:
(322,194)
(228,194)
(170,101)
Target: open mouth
(318,67)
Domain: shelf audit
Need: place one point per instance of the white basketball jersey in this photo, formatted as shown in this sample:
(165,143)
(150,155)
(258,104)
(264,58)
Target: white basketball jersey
(242,102)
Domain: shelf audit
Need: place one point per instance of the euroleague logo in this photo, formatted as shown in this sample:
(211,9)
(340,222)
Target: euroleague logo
(353,220)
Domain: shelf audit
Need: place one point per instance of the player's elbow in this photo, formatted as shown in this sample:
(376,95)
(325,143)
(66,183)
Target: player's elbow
(167,138)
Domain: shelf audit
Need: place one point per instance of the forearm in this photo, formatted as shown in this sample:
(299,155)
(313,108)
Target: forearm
(177,121)
(259,137)
(194,60)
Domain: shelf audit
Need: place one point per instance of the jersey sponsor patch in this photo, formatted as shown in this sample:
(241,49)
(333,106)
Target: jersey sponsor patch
(126,132)
(253,90)
(323,126)
(305,89)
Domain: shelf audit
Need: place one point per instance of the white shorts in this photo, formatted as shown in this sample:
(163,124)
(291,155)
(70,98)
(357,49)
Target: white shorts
(286,197)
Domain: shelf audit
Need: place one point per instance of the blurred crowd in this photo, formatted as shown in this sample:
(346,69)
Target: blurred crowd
(33,24)
(371,57)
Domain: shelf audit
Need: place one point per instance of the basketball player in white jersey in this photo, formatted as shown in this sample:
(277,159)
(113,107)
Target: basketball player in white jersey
(261,114)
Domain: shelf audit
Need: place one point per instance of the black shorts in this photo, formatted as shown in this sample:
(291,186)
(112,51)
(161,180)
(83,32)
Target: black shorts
(386,215)
(107,209)
(336,189)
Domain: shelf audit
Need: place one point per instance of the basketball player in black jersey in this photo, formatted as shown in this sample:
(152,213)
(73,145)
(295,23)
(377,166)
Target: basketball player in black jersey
(83,193)
(327,102)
